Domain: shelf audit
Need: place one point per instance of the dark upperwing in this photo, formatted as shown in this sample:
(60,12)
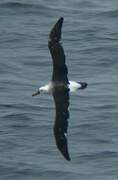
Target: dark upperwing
(61,99)
(60,70)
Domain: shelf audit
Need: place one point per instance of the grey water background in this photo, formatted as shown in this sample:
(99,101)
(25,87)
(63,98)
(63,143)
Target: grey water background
(90,40)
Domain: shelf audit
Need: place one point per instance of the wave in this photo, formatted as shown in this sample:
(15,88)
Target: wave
(109,14)
(25,8)
(86,4)
(16,5)
(99,155)
(20,5)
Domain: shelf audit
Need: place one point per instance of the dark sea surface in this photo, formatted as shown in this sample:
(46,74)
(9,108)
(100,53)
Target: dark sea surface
(90,40)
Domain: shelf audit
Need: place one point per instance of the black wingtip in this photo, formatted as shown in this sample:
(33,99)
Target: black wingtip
(64,151)
(61,19)
(68,158)
(62,143)
(59,22)
(55,34)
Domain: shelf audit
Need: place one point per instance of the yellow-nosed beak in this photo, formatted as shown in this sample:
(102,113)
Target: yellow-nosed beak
(36,93)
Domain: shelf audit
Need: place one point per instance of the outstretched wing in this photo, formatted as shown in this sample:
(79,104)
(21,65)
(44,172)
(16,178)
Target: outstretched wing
(60,70)
(61,99)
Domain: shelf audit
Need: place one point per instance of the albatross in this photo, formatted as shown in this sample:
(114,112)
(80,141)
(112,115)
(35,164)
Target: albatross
(60,87)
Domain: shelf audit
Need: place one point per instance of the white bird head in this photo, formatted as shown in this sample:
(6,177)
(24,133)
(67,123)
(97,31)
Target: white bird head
(44,89)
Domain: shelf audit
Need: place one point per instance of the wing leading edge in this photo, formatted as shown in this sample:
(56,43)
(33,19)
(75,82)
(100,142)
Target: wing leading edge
(60,70)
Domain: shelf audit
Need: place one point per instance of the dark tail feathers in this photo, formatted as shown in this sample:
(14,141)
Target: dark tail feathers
(83,85)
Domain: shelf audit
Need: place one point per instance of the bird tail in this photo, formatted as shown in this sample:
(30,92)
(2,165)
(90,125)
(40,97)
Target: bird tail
(83,85)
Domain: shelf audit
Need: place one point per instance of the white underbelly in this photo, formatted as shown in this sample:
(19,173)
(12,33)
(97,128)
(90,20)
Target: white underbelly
(73,86)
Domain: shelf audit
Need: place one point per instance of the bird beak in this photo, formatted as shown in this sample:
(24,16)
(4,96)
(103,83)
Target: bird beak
(36,93)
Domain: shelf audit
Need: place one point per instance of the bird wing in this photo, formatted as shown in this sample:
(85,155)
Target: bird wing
(61,99)
(60,70)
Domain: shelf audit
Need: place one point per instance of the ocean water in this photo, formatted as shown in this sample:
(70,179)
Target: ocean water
(90,40)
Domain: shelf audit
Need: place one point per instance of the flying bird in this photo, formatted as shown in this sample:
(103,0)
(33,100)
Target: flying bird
(60,87)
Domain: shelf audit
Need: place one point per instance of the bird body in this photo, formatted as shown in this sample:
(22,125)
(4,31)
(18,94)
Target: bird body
(72,86)
(60,87)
